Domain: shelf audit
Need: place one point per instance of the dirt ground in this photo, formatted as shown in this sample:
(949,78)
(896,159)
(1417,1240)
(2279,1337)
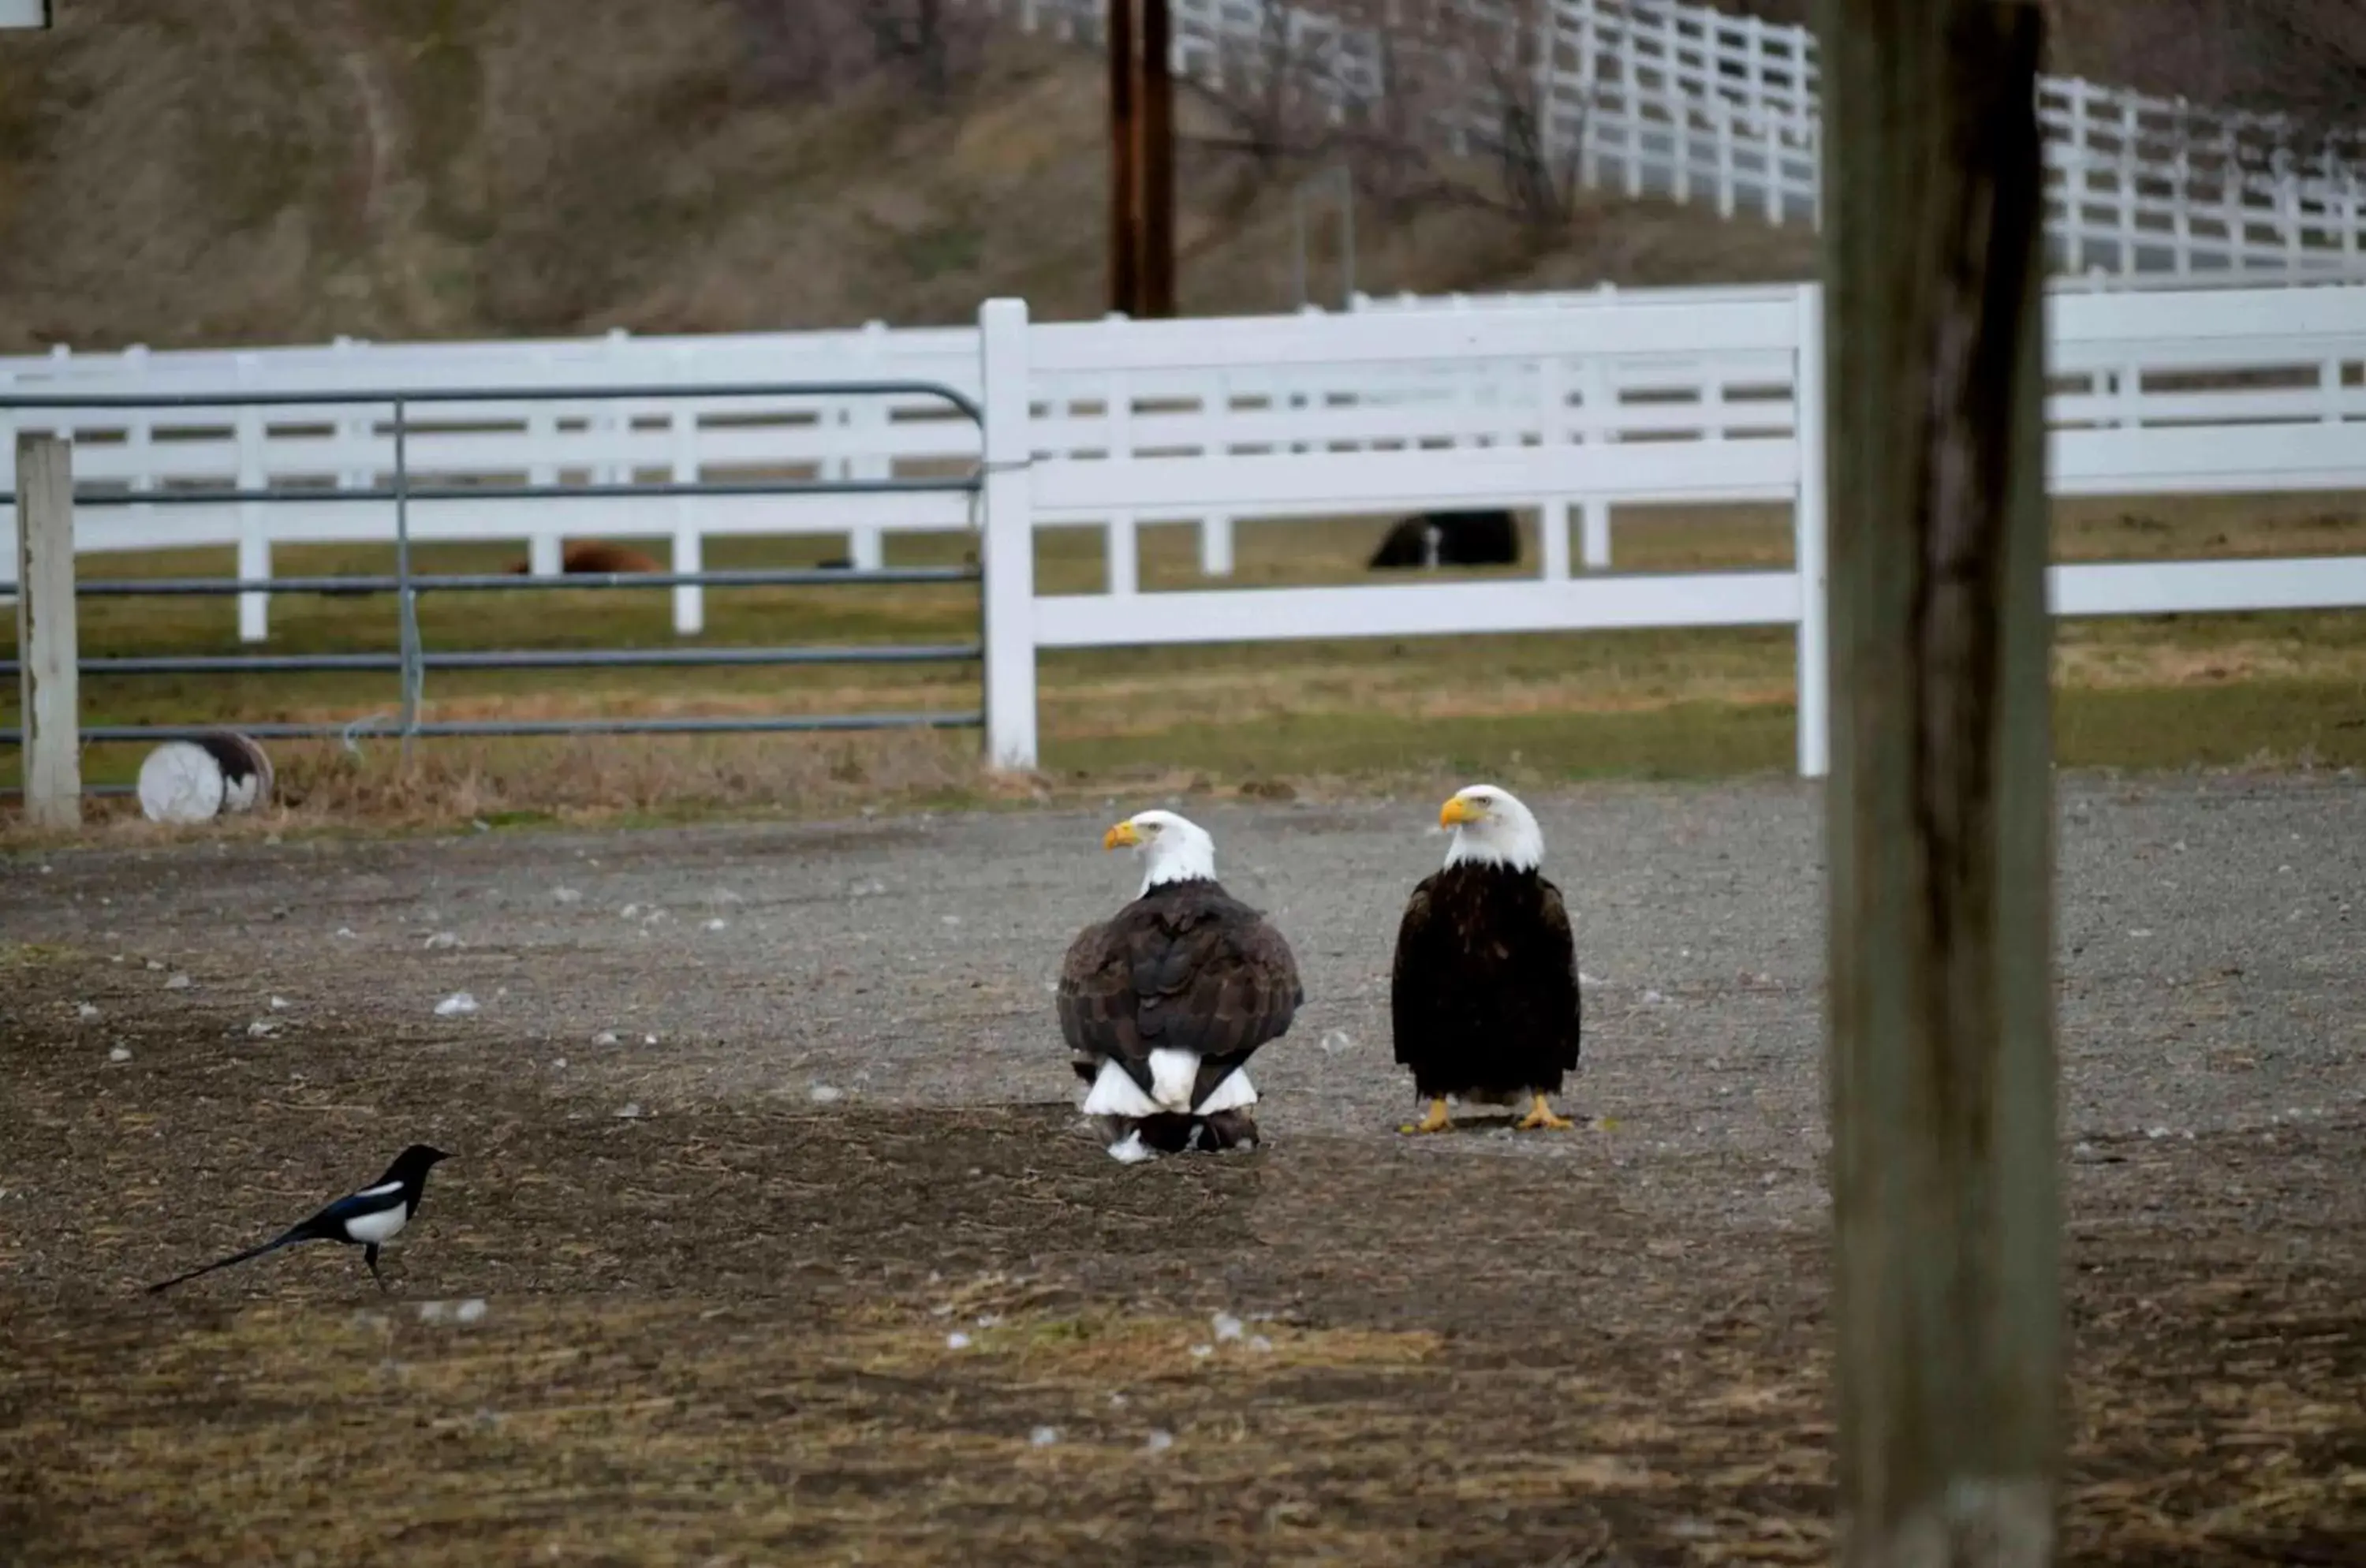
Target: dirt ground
(771,1235)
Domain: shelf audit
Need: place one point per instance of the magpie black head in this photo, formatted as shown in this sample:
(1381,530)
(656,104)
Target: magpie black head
(413,1163)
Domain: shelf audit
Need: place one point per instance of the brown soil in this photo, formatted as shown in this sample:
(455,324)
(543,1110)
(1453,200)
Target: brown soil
(720,1330)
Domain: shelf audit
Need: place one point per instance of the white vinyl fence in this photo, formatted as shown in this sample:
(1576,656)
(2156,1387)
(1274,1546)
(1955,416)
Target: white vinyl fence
(1572,407)
(1633,401)
(1692,103)
(508,441)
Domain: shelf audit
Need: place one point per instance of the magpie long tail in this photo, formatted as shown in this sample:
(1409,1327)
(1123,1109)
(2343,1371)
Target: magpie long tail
(288,1239)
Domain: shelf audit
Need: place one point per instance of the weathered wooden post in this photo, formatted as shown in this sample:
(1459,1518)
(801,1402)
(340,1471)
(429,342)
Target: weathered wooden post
(1158,161)
(1940,828)
(47,650)
(1126,164)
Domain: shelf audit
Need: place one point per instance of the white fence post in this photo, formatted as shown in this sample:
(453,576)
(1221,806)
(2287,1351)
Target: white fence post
(254,540)
(867,421)
(1008,552)
(689,545)
(1594,523)
(1216,545)
(1807,540)
(46,646)
(1552,430)
(546,549)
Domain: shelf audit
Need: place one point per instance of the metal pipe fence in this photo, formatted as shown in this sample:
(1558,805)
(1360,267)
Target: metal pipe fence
(410,661)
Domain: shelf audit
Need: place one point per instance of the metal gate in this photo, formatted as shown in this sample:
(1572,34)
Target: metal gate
(413,662)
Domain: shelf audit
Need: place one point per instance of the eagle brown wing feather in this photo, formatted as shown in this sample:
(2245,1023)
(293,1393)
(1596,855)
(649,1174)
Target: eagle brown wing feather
(1185,967)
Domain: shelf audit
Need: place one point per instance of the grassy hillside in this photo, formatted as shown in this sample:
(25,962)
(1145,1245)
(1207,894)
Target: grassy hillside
(258,171)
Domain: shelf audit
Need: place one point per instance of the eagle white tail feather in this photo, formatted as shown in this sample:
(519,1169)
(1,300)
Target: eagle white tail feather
(1234,1093)
(1114,1093)
(1172,1074)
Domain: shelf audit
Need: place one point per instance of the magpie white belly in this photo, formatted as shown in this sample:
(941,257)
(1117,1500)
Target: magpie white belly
(373,1230)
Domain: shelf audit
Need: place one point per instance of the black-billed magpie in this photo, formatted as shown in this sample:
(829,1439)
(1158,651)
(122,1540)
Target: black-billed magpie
(368,1219)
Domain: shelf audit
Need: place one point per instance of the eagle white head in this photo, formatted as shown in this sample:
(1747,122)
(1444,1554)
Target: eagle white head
(1173,848)
(1491,828)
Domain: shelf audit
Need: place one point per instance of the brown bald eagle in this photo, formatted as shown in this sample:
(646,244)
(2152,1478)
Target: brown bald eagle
(1163,1003)
(1483,993)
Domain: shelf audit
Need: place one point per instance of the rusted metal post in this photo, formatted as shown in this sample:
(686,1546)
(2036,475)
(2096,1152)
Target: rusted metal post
(47,647)
(1125,155)
(1158,161)
(1943,1072)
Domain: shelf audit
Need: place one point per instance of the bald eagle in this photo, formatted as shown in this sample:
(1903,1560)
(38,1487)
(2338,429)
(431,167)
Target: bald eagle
(1482,996)
(1163,1003)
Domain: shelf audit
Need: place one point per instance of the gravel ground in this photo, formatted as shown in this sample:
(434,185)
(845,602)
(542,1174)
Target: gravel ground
(2212,961)
(748,1077)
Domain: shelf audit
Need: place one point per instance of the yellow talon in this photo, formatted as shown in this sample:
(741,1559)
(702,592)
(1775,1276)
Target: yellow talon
(1541,1116)
(1433,1122)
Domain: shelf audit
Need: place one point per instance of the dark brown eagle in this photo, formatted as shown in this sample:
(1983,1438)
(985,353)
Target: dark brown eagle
(1483,994)
(1163,1003)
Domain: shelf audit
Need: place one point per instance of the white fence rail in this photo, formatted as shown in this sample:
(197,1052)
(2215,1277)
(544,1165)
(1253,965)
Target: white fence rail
(1690,103)
(1570,407)
(509,441)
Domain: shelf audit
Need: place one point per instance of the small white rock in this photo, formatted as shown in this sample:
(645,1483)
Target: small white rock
(630,912)
(119,1053)
(177,983)
(1043,1437)
(279,1004)
(153,965)
(649,1038)
(432,1311)
(2157,1132)
(605,1037)
(459,1004)
(262,1029)
(84,1011)
(1260,1344)
(470,1311)
(1227,1326)
(956,1340)
(717,923)
(1338,1039)
(442,939)
(631,1113)
(1201,1352)
(558,1063)
(1654,999)
(825,1094)
(566,895)
(1159,1442)
(346,931)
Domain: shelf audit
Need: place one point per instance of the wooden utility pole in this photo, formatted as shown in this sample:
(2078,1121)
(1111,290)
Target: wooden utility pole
(1158,161)
(47,647)
(1125,155)
(1941,1065)
(1141,159)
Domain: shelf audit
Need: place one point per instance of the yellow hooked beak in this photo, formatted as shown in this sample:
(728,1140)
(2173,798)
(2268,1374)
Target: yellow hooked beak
(1120,836)
(1458,810)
